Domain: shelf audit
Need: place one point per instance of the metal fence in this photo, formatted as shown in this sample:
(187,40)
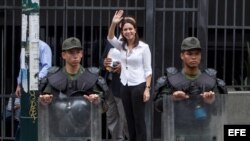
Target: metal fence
(221,25)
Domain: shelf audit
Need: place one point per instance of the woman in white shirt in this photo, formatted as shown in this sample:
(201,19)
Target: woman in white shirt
(136,73)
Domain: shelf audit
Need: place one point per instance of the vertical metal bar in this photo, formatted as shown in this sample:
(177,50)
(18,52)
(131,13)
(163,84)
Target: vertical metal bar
(13,58)
(83,31)
(202,18)
(184,19)
(65,24)
(91,33)
(233,50)
(136,17)
(100,34)
(3,59)
(126,4)
(55,34)
(173,30)
(149,28)
(65,20)
(47,23)
(225,41)
(117,31)
(163,37)
(243,40)
(216,35)
(13,48)
(2,69)
(193,18)
(74,24)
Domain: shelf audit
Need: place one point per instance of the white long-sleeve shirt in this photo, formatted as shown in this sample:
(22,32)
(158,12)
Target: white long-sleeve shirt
(136,63)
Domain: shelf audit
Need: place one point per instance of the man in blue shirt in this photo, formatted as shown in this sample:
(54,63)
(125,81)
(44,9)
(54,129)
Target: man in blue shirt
(45,62)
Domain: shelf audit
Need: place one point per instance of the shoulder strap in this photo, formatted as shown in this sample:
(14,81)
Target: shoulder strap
(58,80)
(171,71)
(161,81)
(207,81)
(179,82)
(44,81)
(87,80)
(53,69)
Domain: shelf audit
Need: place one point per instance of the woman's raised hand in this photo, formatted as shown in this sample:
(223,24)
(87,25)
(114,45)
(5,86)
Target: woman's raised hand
(118,16)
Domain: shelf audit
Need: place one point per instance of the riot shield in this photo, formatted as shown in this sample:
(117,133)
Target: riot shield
(69,119)
(195,120)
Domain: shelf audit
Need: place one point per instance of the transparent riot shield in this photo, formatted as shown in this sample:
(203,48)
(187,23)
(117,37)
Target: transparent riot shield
(195,120)
(192,119)
(69,119)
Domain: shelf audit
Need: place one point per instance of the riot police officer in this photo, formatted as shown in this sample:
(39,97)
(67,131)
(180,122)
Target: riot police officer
(69,92)
(192,89)
(73,79)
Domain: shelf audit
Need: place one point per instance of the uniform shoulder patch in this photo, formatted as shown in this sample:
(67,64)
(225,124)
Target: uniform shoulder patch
(221,82)
(211,72)
(53,69)
(160,82)
(171,71)
(93,70)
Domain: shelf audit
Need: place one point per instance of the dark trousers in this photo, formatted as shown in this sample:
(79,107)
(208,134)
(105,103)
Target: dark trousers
(17,135)
(134,107)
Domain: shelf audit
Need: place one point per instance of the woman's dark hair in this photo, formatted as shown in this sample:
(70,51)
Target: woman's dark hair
(133,22)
